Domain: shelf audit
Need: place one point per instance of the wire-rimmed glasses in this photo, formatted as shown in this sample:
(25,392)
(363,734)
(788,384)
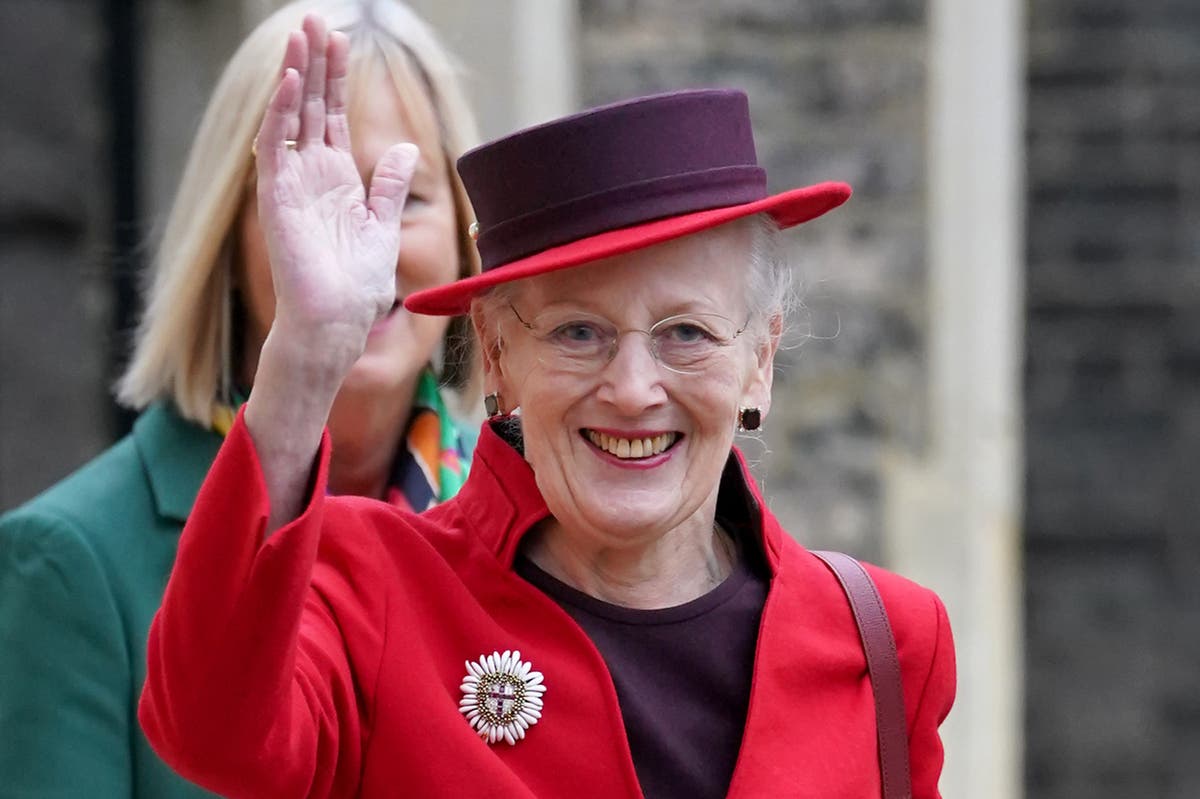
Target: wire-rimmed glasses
(578,341)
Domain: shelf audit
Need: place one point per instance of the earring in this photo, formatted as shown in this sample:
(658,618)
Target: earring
(749,419)
(491,404)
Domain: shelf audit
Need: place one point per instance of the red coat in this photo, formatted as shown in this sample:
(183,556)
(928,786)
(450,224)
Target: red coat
(328,660)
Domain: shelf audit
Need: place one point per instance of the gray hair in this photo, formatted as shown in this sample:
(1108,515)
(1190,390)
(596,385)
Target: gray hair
(769,289)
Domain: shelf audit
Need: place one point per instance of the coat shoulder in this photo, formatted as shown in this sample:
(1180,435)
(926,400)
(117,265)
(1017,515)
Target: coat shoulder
(918,618)
(107,509)
(907,601)
(925,646)
(109,486)
(916,613)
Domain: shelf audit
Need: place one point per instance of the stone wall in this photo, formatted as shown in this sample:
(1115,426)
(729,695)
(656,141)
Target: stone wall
(837,91)
(1113,399)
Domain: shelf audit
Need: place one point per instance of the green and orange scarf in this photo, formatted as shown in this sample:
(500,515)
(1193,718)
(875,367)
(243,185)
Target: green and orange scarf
(433,462)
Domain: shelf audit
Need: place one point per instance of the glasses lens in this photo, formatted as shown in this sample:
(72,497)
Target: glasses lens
(692,342)
(573,341)
(582,342)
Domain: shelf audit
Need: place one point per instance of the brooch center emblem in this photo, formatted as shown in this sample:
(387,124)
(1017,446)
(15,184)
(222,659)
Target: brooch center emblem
(502,696)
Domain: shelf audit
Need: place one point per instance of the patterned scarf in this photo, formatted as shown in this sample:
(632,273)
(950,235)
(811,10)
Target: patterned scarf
(433,463)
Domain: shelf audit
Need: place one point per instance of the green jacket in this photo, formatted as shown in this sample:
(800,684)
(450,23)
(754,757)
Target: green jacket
(82,571)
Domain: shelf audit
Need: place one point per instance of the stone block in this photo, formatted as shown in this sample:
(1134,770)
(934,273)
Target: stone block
(1088,482)
(1095,651)
(1100,56)
(880,162)
(826,15)
(1183,508)
(1091,14)
(1103,231)
(1098,366)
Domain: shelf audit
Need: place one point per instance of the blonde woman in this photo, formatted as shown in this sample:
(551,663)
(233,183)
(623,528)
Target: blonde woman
(83,566)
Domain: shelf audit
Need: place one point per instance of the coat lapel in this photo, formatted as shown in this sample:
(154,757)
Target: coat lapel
(176,455)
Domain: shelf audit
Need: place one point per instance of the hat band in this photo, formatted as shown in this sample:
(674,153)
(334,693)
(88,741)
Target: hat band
(619,207)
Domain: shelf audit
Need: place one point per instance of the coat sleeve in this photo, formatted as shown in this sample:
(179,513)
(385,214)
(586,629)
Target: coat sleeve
(250,690)
(65,685)
(935,695)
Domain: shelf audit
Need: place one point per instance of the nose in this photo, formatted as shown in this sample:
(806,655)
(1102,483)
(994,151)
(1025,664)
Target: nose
(632,380)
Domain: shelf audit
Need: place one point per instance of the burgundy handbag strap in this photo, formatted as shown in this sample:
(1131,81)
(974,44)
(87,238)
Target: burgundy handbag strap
(884,667)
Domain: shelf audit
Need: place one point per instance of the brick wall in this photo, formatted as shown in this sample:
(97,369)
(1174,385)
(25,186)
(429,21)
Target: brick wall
(837,91)
(1113,399)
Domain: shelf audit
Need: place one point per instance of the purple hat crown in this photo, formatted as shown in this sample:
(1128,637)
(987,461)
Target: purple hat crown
(611,167)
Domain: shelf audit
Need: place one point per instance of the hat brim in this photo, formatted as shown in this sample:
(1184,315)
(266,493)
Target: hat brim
(788,209)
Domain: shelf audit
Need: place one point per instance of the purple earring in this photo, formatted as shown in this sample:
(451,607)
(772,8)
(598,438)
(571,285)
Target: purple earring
(749,419)
(491,404)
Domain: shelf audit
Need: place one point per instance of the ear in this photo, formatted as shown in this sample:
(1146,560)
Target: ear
(489,341)
(487,333)
(756,390)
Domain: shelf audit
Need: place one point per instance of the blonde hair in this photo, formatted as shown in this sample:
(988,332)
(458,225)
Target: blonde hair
(184,345)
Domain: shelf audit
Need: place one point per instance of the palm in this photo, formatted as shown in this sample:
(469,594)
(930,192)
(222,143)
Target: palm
(333,262)
(333,245)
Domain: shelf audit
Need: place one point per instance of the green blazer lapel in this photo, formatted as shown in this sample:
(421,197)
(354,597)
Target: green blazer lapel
(176,455)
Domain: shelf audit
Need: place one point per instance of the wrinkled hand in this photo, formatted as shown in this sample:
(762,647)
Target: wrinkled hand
(333,246)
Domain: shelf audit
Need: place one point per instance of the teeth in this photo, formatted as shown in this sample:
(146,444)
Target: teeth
(631,448)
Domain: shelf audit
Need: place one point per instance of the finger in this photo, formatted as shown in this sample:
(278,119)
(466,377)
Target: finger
(389,184)
(337,127)
(271,142)
(312,113)
(294,57)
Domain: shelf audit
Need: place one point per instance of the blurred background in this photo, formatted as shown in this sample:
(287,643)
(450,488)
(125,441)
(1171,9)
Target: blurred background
(994,386)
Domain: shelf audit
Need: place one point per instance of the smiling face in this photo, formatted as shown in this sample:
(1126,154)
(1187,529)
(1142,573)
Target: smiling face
(631,450)
(401,344)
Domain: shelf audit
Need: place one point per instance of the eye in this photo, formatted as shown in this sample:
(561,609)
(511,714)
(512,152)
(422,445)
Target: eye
(577,332)
(688,332)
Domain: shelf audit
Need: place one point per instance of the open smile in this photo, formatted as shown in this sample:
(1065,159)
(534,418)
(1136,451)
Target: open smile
(631,448)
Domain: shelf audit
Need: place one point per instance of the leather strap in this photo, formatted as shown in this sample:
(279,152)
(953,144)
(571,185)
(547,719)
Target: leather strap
(883,664)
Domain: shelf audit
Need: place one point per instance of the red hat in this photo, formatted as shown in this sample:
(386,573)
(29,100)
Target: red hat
(611,180)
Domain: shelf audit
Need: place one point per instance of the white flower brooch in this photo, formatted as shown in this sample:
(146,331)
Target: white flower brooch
(502,696)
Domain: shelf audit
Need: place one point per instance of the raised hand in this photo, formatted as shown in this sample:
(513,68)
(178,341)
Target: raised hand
(332,246)
(333,249)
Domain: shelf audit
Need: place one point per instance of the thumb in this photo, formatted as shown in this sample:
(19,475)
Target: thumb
(390,183)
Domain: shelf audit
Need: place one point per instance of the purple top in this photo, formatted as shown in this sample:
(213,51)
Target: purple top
(682,674)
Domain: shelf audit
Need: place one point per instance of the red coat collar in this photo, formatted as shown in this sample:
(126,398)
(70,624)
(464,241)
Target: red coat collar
(501,500)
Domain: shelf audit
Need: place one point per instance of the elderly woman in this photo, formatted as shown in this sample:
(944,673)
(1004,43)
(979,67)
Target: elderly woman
(607,609)
(83,567)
